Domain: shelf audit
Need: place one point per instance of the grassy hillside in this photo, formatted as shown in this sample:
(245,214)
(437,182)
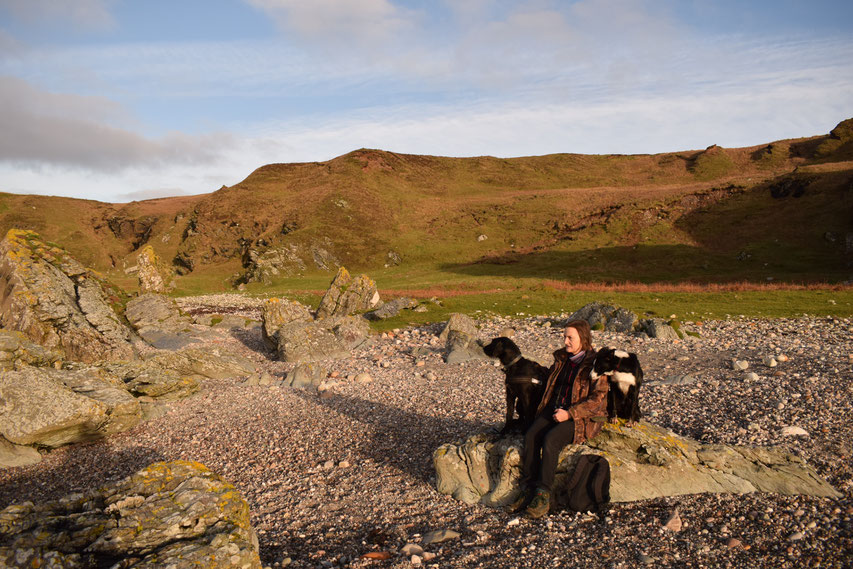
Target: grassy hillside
(779,212)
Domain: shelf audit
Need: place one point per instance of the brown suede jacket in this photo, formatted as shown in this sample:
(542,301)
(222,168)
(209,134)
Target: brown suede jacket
(588,406)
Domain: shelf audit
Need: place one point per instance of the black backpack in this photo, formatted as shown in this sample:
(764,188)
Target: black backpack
(588,488)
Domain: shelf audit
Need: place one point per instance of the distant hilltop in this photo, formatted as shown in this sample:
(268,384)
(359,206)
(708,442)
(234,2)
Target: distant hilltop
(784,203)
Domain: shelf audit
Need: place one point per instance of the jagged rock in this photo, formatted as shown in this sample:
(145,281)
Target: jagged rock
(461,323)
(150,272)
(277,312)
(263,266)
(171,514)
(305,375)
(213,363)
(12,455)
(160,322)
(57,303)
(15,348)
(607,317)
(347,295)
(391,309)
(658,328)
(462,348)
(307,342)
(646,461)
(38,410)
(148,379)
(351,331)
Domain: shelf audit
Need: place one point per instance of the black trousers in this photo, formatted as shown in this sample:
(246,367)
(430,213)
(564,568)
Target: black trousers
(543,442)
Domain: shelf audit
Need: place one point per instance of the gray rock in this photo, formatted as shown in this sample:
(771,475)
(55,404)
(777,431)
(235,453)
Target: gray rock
(658,328)
(621,320)
(156,377)
(307,341)
(170,514)
(37,410)
(684,379)
(462,348)
(461,323)
(57,303)
(350,331)
(205,362)
(277,312)
(305,375)
(156,313)
(347,295)
(437,536)
(391,308)
(646,462)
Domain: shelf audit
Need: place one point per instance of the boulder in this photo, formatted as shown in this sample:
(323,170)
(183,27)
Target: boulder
(38,410)
(160,322)
(277,312)
(391,309)
(264,265)
(199,363)
(646,462)
(171,514)
(150,379)
(459,322)
(348,295)
(16,349)
(658,328)
(57,303)
(351,331)
(462,348)
(607,317)
(152,275)
(305,375)
(308,342)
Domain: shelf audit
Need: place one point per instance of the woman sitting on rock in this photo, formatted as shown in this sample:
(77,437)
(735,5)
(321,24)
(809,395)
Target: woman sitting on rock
(573,409)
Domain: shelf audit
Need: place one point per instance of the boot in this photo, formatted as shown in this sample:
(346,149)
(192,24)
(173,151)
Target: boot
(540,504)
(520,502)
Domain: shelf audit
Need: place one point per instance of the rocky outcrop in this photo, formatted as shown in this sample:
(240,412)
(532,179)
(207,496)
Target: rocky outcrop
(615,319)
(461,323)
(305,375)
(307,342)
(39,409)
(152,275)
(391,309)
(192,363)
(462,348)
(277,312)
(12,455)
(350,331)
(159,321)
(170,514)
(57,303)
(347,295)
(16,350)
(646,462)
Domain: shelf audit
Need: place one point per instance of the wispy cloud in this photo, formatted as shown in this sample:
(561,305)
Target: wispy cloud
(39,127)
(82,14)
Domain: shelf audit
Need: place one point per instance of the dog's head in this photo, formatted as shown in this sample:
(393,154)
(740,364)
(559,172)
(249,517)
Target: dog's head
(607,361)
(502,348)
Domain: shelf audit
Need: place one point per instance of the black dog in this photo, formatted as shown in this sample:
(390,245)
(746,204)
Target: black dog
(525,381)
(625,375)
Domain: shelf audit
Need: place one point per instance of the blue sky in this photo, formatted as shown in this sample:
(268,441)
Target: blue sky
(117,100)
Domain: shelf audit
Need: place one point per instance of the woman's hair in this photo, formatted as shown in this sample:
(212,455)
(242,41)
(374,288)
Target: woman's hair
(584,332)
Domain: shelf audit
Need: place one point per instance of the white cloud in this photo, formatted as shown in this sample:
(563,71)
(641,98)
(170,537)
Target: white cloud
(38,128)
(82,14)
(339,23)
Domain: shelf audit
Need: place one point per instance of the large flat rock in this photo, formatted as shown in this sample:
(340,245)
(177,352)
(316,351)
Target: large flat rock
(646,461)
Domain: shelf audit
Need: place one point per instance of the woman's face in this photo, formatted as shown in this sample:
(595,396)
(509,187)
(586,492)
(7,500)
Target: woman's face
(573,340)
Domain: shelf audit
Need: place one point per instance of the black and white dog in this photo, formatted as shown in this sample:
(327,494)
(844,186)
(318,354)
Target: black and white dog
(625,375)
(524,382)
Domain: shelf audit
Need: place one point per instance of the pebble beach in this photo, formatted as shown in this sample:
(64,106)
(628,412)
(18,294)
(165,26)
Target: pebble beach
(342,476)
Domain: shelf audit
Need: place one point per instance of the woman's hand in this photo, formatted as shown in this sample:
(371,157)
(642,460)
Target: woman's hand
(561,415)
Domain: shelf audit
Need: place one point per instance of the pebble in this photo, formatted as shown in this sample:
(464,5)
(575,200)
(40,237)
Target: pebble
(673,523)
(751,376)
(363,377)
(740,365)
(411,549)
(792,431)
(438,536)
(770,361)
